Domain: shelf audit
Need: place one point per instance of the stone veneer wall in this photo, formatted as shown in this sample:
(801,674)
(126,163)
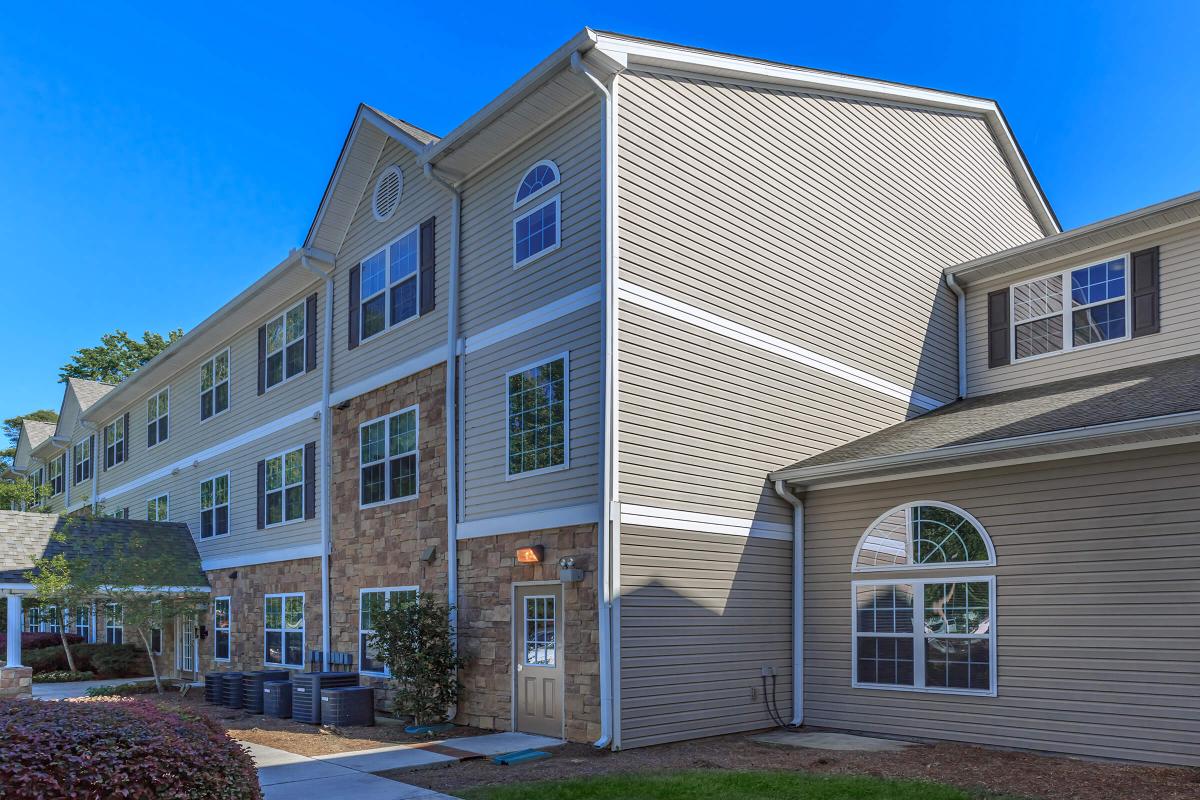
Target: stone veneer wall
(16,682)
(487,571)
(381,546)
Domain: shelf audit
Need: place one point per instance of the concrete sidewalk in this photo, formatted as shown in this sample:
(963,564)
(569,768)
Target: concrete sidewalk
(69,689)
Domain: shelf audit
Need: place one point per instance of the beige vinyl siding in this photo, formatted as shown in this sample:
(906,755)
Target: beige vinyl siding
(823,221)
(420,200)
(704,418)
(488,492)
(701,614)
(188,435)
(1179,293)
(1097,602)
(492,290)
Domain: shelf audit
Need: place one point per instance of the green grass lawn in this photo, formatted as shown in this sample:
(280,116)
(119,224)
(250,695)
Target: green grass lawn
(715,785)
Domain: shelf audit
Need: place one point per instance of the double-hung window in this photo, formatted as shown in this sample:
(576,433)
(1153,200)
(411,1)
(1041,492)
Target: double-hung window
(537,225)
(371,602)
(538,417)
(388,458)
(389,285)
(82,460)
(158,509)
(284,486)
(157,413)
(214,385)
(57,471)
(283,623)
(52,619)
(33,619)
(114,627)
(285,346)
(1070,310)
(932,632)
(156,626)
(83,623)
(214,506)
(37,485)
(114,443)
(221,628)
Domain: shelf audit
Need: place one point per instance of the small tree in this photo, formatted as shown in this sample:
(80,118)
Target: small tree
(415,639)
(64,583)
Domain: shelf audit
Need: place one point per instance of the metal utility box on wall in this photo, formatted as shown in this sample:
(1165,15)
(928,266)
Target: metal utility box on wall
(307,688)
(353,705)
(252,687)
(277,699)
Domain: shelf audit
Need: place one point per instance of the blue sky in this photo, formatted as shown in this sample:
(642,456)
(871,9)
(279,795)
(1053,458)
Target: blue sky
(154,161)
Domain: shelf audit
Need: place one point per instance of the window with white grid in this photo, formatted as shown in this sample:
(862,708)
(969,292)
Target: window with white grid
(540,631)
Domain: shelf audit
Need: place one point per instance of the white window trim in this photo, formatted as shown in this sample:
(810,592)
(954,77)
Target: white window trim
(908,541)
(117,424)
(228,380)
(416,409)
(566,359)
(282,630)
(267,353)
(90,460)
(545,162)
(228,504)
(228,629)
(37,480)
(556,199)
(1067,313)
(157,442)
(388,323)
(156,497)
(108,617)
(73,616)
(918,636)
(283,487)
(525,630)
(373,589)
(394,168)
(61,458)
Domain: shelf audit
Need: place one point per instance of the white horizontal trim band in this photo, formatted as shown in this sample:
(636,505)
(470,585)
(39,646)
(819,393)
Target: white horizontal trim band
(585,514)
(231,443)
(530,320)
(738,332)
(651,517)
(392,374)
(262,557)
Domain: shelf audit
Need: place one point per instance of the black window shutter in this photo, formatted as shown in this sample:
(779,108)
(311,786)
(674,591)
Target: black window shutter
(125,443)
(310,480)
(262,493)
(262,359)
(428,276)
(997,302)
(1144,292)
(352,317)
(310,333)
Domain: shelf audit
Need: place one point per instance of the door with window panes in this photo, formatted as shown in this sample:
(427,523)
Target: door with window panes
(538,656)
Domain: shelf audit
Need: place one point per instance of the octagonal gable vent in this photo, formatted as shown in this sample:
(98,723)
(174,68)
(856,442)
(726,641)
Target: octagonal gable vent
(388,188)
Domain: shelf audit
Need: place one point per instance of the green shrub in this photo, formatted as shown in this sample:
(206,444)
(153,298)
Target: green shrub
(63,676)
(106,660)
(415,639)
(126,689)
(36,641)
(99,749)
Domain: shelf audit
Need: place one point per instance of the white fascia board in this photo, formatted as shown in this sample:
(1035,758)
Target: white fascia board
(1015,444)
(391,130)
(530,521)
(636,52)
(261,557)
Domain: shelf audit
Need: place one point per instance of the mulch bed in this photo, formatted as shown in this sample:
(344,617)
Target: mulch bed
(977,769)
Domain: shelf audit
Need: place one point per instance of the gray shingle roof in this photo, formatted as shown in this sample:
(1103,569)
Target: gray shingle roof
(27,536)
(37,431)
(1150,390)
(88,392)
(421,135)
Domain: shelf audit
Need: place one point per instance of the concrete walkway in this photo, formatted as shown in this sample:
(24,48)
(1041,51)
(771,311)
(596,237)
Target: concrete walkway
(68,689)
(288,776)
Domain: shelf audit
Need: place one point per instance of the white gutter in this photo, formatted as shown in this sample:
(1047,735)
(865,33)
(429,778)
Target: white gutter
(326,446)
(453,473)
(607,585)
(962,335)
(781,489)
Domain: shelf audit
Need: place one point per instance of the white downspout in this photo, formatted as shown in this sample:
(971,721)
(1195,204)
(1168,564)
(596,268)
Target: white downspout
(453,473)
(962,334)
(607,585)
(781,489)
(326,455)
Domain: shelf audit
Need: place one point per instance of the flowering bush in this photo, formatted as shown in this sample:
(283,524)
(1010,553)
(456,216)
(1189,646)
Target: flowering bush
(36,641)
(99,749)
(63,676)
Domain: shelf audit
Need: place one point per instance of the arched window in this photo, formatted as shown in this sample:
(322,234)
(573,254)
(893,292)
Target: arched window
(925,633)
(536,228)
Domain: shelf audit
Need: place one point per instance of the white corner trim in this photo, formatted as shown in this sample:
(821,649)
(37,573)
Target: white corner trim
(261,557)
(651,517)
(741,333)
(394,373)
(585,514)
(282,423)
(528,321)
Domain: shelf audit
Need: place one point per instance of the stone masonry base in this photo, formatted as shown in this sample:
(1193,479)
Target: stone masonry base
(16,682)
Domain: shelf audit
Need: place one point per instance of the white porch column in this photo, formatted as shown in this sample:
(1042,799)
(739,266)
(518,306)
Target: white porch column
(14,631)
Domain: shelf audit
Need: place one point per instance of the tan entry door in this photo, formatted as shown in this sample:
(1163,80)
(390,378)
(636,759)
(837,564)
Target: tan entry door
(538,656)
